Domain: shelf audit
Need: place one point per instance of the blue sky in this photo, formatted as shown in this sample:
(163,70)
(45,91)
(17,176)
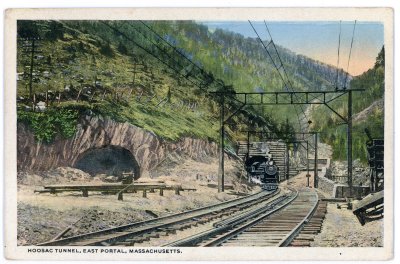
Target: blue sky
(318,40)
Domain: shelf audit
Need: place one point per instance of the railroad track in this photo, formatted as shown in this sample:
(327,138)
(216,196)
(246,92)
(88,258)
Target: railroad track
(139,232)
(287,220)
(311,228)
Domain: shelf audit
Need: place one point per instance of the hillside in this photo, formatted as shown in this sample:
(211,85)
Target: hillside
(82,67)
(368,112)
(81,74)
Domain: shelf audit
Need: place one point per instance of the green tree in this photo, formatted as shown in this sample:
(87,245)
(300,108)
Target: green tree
(380,60)
(106,50)
(55,31)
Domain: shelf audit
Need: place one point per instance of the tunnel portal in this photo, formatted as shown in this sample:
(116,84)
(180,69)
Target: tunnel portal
(110,160)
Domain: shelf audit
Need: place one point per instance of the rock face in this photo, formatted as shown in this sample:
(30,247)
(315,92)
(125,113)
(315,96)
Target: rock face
(95,132)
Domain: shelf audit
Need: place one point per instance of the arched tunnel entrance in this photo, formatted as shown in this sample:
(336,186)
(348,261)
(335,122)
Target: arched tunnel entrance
(110,160)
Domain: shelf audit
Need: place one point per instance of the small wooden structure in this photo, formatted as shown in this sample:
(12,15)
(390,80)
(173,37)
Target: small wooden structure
(370,207)
(375,150)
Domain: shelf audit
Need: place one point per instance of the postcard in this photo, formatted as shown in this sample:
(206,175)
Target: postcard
(199,134)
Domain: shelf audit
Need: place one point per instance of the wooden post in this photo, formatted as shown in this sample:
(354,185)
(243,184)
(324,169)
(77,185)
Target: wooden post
(62,233)
(34,102)
(144,194)
(177,191)
(79,94)
(161,192)
(91,99)
(152,190)
(31,70)
(120,196)
(85,193)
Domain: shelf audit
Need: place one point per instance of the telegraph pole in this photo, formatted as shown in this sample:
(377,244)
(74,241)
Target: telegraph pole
(31,68)
(221,171)
(349,144)
(308,168)
(316,160)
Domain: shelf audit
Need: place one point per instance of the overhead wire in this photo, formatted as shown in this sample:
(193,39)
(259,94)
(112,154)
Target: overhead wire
(338,56)
(202,71)
(211,80)
(174,48)
(284,69)
(163,50)
(143,48)
(275,65)
(348,62)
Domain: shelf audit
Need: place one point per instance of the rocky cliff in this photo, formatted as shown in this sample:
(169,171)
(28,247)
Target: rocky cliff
(95,132)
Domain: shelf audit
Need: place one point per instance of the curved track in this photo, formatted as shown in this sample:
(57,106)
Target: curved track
(277,224)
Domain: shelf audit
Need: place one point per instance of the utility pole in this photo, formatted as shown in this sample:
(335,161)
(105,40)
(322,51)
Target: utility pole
(30,45)
(316,160)
(221,173)
(134,77)
(31,68)
(349,144)
(308,168)
(287,161)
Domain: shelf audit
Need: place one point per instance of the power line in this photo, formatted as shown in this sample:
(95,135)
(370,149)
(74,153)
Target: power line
(284,69)
(210,79)
(348,62)
(146,50)
(174,48)
(181,54)
(338,56)
(207,80)
(276,67)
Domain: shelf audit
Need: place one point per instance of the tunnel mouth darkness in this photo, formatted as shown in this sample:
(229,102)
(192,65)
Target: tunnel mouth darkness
(110,160)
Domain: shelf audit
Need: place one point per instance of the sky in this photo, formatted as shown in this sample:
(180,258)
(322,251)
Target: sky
(318,40)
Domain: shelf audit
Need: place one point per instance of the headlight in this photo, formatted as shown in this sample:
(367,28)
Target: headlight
(271,163)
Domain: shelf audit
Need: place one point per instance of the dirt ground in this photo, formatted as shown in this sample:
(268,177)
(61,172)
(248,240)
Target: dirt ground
(341,227)
(300,180)
(42,216)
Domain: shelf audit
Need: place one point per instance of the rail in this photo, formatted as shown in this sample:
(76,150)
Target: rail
(289,237)
(224,226)
(258,219)
(112,234)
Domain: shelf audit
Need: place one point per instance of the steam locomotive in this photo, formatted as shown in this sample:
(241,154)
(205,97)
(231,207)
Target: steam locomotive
(263,171)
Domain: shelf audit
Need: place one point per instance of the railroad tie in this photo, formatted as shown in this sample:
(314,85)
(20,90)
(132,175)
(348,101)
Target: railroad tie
(167,230)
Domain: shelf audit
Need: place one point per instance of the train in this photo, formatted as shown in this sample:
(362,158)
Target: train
(263,171)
